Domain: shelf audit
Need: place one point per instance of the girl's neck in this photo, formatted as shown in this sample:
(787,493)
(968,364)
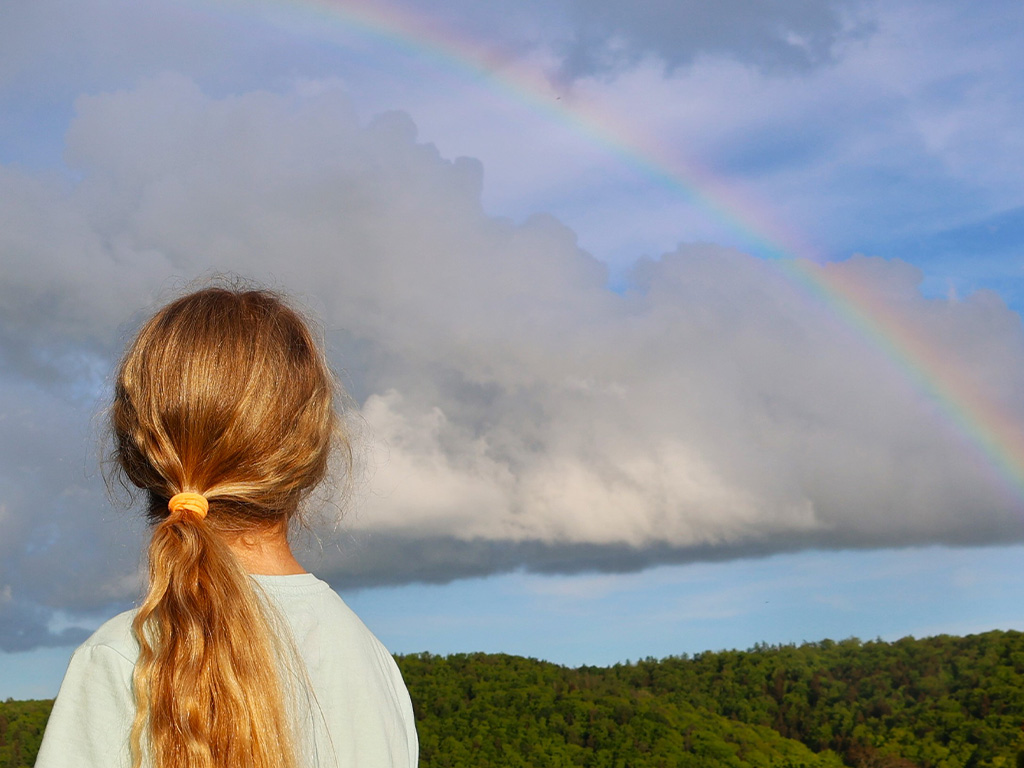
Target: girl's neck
(266,552)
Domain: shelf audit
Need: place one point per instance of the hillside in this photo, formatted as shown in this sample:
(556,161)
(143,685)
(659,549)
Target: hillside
(484,711)
(942,702)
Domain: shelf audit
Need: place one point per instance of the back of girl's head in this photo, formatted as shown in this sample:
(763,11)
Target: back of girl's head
(225,393)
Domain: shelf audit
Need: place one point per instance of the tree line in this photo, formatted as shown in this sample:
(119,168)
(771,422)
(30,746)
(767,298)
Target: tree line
(941,702)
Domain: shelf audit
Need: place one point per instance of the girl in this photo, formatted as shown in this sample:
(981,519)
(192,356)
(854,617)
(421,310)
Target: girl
(223,414)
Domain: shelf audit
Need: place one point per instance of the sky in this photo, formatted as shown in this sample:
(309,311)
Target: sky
(667,326)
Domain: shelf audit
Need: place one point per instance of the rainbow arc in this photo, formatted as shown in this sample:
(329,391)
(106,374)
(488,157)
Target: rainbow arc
(976,418)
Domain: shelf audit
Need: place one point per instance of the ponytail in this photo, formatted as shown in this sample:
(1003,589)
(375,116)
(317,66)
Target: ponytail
(206,680)
(225,392)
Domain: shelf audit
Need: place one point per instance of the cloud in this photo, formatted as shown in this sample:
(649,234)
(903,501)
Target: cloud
(518,412)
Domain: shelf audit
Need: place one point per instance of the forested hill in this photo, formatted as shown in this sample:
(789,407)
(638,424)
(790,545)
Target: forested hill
(943,702)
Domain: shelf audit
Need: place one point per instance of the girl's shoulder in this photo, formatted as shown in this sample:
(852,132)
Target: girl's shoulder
(116,635)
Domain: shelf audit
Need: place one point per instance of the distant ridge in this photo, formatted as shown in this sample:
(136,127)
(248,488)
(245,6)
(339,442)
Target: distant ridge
(941,702)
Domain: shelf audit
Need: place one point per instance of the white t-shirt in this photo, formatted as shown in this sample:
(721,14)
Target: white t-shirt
(359,714)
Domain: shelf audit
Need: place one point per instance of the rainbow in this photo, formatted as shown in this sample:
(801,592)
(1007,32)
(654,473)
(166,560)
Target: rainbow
(992,432)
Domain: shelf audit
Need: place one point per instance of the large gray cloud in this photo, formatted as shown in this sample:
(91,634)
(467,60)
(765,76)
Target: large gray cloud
(517,412)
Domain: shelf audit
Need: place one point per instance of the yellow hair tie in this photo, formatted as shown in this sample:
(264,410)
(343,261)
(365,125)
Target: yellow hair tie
(195,503)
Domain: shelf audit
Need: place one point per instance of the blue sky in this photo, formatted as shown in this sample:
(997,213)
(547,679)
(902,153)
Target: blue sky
(597,423)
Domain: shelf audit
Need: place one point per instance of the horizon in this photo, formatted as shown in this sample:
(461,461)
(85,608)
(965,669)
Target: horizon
(757,647)
(713,617)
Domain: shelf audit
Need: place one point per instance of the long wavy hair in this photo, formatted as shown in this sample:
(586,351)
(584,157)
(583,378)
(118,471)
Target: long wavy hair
(225,393)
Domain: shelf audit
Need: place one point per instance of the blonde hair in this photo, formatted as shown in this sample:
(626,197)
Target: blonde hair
(227,394)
